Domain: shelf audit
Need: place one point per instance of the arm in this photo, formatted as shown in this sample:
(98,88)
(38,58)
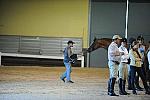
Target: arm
(126,54)
(113,51)
(69,54)
(133,56)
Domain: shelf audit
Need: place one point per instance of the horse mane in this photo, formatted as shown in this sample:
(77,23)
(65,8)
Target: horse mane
(105,39)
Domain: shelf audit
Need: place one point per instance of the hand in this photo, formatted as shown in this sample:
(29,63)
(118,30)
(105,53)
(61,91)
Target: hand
(72,61)
(121,53)
(140,59)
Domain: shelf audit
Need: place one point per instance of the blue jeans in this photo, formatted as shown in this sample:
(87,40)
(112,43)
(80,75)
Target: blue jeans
(66,74)
(129,76)
(135,69)
(129,71)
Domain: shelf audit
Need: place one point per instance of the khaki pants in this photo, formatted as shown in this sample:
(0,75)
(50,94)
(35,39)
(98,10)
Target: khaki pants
(123,70)
(113,69)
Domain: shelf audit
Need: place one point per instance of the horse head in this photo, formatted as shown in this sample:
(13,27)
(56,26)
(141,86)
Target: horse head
(92,46)
(99,43)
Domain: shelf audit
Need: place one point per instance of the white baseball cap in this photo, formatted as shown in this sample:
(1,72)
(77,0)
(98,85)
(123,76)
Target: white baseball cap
(116,37)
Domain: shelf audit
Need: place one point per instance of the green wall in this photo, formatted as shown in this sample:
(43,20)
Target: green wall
(51,18)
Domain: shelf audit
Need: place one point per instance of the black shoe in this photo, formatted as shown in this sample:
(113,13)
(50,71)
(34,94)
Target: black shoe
(121,93)
(138,88)
(62,79)
(112,94)
(70,81)
(130,88)
(134,92)
(126,93)
(147,92)
(107,93)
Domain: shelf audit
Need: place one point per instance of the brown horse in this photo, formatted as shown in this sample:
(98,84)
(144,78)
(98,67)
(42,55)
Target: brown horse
(99,43)
(104,43)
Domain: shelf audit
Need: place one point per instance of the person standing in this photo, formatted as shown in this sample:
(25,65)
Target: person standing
(113,63)
(131,42)
(67,62)
(123,67)
(135,66)
(141,49)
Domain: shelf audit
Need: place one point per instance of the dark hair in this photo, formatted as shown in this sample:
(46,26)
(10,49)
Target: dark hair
(140,37)
(135,42)
(131,40)
(70,42)
(124,40)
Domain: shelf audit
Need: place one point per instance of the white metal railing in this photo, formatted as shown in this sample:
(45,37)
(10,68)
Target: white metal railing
(81,57)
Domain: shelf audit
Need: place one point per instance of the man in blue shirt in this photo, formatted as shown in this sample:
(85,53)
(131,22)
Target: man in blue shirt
(67,62)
